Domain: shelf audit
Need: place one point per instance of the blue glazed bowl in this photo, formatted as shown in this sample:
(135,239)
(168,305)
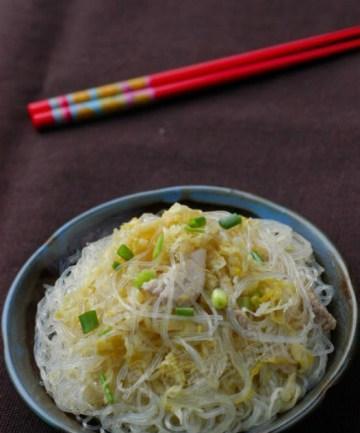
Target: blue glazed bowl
(47,262)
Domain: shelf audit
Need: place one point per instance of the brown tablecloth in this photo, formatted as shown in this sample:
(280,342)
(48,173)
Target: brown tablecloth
(293,137)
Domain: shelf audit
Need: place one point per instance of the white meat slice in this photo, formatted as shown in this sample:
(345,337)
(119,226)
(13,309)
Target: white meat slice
(325,319)
(188,278)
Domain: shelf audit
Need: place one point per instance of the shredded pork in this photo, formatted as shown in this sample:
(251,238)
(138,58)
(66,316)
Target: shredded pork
(188,279)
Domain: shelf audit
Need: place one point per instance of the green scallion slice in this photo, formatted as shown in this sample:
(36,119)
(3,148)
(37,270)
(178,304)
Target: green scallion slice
(158,246)
(256,256)
(255,302)
(109,396)
(125,252)
(143,277)
(230,221)
(197,222)
(116,265)
(219,299)
(194,230)
(184,311)
(89,321)
(245,302)
(105,331)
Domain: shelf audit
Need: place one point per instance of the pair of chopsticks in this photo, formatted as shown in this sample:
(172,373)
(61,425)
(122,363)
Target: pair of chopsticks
(99,101)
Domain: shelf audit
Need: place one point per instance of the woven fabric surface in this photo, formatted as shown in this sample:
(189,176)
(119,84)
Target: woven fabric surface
(292,137)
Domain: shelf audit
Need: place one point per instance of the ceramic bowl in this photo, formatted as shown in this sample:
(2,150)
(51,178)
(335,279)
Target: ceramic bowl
(48,261)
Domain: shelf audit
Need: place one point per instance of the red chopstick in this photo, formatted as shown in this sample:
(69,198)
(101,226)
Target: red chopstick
(252,70)
(192,71)
(67,108)
(256,56)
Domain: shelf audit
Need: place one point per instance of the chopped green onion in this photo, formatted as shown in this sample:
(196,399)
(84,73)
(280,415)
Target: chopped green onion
(219,299)
(105,331)
(116,265)
(184,311)
(245,302)
(256,256)
(230,221)
(88,321)
(143,277)
(255,301)
(125,252)
(158,246)
(197,222)
(194,230)
(109,397)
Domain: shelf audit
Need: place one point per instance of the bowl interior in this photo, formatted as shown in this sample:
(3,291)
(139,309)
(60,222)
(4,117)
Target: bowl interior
(47,262)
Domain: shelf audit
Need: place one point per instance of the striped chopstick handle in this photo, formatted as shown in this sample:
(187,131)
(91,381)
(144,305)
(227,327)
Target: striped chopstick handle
(92,109)
(82,96)
(193,71)
(99,107)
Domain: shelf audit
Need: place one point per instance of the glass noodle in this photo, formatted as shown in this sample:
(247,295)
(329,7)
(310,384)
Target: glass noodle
(216,370)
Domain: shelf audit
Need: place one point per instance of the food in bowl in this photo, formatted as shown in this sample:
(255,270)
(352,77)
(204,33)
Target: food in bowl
(186,321)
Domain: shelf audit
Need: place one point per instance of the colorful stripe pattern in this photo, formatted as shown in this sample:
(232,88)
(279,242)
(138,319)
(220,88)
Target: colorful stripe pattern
(99,92)
(99,107)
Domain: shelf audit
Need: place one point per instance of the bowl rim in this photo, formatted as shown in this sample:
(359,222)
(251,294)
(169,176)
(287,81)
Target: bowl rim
(178,190)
